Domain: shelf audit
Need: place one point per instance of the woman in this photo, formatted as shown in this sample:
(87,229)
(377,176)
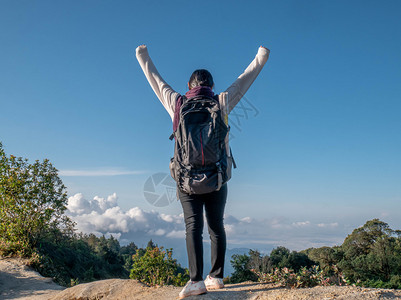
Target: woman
(201,83)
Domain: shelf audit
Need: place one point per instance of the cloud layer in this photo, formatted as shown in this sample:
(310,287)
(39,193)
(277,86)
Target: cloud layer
(104,216)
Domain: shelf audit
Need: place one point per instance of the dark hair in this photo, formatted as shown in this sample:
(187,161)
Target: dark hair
(201,77)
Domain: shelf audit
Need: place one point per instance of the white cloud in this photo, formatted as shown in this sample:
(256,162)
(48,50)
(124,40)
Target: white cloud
(158,232)
(301,224)
(335,224)
(280,231)
(177,234)
(78,205)
(99,172)
(230,229)
(173,218)
(105,216)
(246,220)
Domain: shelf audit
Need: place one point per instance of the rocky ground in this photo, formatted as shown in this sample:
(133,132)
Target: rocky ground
(20,282)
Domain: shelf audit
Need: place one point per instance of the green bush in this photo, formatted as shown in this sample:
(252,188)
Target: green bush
(305,277)
(393,283)
(33,225)
(155,266)
(32,201)
(242,268)
(372,255)
(72,259)
(281,257)
(246,266)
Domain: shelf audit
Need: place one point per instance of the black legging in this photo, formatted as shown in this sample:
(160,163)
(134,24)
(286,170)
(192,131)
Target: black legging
(193,214)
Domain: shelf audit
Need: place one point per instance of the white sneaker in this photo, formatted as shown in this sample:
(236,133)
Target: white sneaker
(193,288)
(213,283)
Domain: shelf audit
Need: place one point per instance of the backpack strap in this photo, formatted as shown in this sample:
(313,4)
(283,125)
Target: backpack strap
(234,164)
(180,100)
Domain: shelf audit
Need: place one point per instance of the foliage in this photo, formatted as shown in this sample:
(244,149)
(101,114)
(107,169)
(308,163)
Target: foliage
(254,265)
(33,225)
(79,258)
(305,277)
(126,253)
(326,257)
(156,266)
(32,202)
(372,253)
(370,256)
(242,269)
(258,262)
(281,257)
(393,283)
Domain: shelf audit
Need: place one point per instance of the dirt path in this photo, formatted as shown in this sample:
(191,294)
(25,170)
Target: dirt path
(18,281)
(129,289)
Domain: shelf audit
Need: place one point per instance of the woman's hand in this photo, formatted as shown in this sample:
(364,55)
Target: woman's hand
(265,48)
(141,48)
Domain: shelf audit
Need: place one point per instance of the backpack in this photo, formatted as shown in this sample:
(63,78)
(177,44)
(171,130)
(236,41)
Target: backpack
(202,159)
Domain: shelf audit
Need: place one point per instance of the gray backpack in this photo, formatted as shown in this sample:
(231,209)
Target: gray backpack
(202,160)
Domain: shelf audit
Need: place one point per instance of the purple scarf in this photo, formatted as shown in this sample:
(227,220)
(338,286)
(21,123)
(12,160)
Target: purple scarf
(196,91)
(199,90)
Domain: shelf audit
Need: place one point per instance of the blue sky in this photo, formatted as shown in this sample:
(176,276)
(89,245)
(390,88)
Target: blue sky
(317,154)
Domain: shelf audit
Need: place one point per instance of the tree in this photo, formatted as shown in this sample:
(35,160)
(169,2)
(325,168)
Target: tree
(279,257)
(157,267)
(32,202)
(130,249)
(325,256)
(151,245)
(371,252)
(242,269)
(297,261)
(258,262)
(361,239)
(127,252)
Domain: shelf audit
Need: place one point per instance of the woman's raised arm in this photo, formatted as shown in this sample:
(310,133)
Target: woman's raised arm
(238,89)
(163,91)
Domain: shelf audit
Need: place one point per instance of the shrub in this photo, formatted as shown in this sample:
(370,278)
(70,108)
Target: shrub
(157,267)
(372,255)
(242,270)
(246,266)
(305,277)
(32,201)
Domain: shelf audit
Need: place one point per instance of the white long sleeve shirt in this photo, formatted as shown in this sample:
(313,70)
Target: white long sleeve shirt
(228,99)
